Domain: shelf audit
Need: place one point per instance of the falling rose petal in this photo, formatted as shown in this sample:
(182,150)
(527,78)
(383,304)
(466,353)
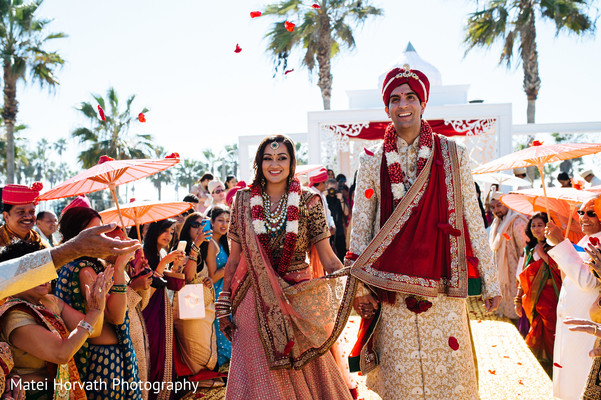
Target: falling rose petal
(521,382)
(101,112)
(288,71)
(238,48)
(141,117)
(505,356)
(578,185)
(316,6)
(289,26)
(479,321)
(537,143)
(255,14)
(453,343)
(557,365)
(494,345)
(493,371)
(369,193)
(594,241)
(368,152)
(288,347)
(506,236)
(519,363)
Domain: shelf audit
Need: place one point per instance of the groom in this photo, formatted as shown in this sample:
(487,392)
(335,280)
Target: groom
(417,235)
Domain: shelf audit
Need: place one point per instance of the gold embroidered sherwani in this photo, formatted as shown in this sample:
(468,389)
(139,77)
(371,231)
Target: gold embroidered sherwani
(415,358)
(26,272)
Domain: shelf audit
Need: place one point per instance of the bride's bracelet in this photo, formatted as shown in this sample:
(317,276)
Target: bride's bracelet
(223,305)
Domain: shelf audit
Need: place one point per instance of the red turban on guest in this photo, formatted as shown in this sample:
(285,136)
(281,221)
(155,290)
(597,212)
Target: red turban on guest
(21,194)
(414,78)
(318,176)
(79,201)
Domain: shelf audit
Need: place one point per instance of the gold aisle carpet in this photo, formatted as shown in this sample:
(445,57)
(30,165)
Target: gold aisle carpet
(507,369)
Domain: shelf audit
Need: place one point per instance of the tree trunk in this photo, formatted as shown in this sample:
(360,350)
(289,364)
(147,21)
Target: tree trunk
(530,64)
(9,113)
(324,57)
(159,190)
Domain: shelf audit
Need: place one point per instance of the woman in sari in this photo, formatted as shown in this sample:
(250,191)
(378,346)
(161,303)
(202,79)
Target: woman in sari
(284,322)
(215,254)
(538,291)
(158,314)
(111,355)
(44,333)
(196,337)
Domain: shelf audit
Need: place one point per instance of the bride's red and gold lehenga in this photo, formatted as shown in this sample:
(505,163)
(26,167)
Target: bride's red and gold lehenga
(285,321)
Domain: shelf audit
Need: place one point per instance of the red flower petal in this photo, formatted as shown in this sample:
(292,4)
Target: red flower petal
(521,382)
(493,371)
(537,143)
(173,155)
(593,240)
(288,71)
(505,356)
(494,345)
(369,193)
(506,236)
(453,343)
(255,14)
(316,6)
(101,112)
(368,152)
(557,365)
(104,159)
(578,185)
(288,347)
(289,26)
(238,48)
(141,117)
(479,321)
(519,363)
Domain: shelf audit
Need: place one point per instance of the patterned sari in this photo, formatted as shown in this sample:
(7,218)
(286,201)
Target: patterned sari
(100,362)
(541,283)
(64,372)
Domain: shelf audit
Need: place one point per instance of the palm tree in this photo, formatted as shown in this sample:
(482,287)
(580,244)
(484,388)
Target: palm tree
(511,20)
(210,159)
(321,32)
(229,160)
(60,146)
(112,136)
(188,171)
(163,177)
(22,38)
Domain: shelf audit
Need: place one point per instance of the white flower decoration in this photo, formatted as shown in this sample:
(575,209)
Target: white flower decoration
(424,152)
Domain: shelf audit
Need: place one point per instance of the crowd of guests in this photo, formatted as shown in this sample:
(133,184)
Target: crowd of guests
(118,317)
(547,279)
(114,318)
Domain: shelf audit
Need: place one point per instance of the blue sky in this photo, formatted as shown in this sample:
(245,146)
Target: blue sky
(178,58)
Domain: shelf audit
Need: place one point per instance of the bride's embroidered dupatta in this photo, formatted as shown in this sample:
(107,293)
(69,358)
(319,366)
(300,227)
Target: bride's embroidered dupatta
(298,321)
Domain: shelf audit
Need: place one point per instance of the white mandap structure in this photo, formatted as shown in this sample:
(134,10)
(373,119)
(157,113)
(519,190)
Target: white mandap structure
(336,137)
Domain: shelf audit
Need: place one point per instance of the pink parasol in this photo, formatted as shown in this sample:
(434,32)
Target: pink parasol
(142,212)
(538,154)
(563,202)
(109,173)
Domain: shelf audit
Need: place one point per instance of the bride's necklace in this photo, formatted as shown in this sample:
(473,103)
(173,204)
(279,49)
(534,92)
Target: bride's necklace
(276,219)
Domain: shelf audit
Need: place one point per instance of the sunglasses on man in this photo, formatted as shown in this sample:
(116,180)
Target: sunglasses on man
(589,213)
